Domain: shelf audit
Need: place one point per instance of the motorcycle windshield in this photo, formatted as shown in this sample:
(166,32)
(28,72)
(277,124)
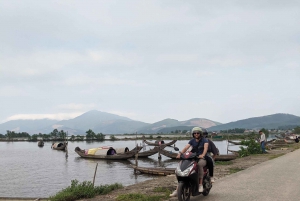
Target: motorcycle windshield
(185,164)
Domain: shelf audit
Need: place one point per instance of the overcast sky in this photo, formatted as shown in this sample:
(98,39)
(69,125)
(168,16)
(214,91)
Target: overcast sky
(149,60)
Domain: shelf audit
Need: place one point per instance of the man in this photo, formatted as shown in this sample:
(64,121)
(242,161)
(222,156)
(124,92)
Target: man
(210,160)
(262,141)
(199,145)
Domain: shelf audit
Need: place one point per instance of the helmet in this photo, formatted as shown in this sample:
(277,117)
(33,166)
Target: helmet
(197,129)
(205,133)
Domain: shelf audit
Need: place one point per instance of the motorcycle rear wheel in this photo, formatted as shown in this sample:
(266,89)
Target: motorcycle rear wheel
(184,192)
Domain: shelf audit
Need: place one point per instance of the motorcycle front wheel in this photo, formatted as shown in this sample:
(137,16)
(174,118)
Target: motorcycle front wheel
(184,192)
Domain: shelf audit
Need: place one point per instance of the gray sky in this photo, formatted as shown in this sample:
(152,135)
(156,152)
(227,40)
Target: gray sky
(149,60)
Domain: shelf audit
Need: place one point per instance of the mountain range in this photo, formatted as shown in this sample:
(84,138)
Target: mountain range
(107,123)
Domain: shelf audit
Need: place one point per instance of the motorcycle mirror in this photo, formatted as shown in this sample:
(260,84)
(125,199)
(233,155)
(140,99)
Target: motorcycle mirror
(176,149)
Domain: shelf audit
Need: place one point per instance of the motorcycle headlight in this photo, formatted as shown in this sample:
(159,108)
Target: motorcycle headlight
(184,173)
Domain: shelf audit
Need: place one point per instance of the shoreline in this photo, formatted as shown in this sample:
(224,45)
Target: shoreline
(169,182)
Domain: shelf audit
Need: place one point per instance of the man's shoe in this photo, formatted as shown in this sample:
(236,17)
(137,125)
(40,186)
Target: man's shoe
(200,188)
(212,180)
(174,194)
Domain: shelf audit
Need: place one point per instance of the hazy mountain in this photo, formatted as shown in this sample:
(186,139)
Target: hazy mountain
(99,122)
(167,125)
(106,123)
(269,122)
(26,125)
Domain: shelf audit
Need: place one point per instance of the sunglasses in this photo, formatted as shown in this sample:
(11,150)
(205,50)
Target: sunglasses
(197,133)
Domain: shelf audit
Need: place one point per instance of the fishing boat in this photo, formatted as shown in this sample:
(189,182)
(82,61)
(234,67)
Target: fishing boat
(155,150)
(59,145)
(158,143)
(40,143)
(222,157)
(235,143)
(109,153)
(154,171)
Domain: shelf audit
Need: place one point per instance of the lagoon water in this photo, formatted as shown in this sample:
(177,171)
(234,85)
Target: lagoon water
(27,170)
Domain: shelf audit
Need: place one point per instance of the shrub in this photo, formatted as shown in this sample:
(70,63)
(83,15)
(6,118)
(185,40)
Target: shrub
(252,147)
(83,190)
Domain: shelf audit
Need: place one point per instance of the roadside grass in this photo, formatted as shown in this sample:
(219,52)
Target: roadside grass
(234,170)
(141,197)
(83,190)
(276,156)
(223,162)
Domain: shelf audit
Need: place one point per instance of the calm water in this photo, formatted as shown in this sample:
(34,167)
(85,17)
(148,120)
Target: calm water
(27,170)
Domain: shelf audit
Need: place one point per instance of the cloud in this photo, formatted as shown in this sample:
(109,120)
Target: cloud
(74,106)
(58,116)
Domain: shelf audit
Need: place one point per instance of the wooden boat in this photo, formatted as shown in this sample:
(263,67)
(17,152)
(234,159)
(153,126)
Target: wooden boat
(108,153)
(233,151)
(279,137)
(154,171)
(59,145)
(240,143)
(155,150)
(235,143)
(40,143)
(225,157)
(157,143)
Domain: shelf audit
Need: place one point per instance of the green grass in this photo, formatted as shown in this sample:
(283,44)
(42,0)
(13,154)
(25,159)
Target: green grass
(83,190)
(141,197)
(234,170)
(223,162)
(275,156)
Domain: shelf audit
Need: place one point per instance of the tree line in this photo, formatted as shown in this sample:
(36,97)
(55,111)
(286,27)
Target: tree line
(54,135)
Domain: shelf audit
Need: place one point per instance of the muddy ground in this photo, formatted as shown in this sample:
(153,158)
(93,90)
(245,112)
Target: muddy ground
(169,182)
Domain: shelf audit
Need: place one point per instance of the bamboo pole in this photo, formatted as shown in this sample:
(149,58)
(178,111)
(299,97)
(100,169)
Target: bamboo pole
(95,174)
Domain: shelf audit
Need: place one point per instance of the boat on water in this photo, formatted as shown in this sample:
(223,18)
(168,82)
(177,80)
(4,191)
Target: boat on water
(155,150)
(40,143)
(154,171)
(109,153)
(222,157)
(158,143)
(59,146)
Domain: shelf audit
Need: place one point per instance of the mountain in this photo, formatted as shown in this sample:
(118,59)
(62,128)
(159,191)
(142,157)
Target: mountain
(269,122)
(106,123)
(99,122)
(168,125)
(26,125)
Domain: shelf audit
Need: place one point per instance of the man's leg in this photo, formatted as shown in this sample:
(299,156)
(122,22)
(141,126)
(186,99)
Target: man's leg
(201,164)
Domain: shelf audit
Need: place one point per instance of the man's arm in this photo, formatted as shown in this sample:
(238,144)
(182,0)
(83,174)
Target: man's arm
(204,151)
(183,150)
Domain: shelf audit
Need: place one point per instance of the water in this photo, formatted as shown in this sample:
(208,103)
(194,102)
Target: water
(27,170)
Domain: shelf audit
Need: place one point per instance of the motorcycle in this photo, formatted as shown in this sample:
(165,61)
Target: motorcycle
(188,179)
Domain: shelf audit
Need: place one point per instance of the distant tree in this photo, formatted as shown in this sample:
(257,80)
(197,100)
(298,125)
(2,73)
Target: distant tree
(90,135)
(72,137)
(54,133)
(297,130)
(100,137)
(112,137)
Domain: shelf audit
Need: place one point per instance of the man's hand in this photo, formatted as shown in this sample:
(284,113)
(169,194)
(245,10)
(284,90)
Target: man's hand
(201,156)
(178,155)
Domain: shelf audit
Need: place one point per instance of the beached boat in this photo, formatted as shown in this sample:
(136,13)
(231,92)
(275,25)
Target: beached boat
(155,150)
(108,153)
(240,143)
(40,143)
(154,171)
(225,157)
(158,143)
(59,145)
(235,143)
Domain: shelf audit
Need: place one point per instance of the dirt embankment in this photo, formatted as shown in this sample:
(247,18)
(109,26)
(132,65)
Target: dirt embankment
(169,182)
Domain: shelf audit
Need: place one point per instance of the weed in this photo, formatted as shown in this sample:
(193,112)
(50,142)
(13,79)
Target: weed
(234,170)
(140,197)
(83,190)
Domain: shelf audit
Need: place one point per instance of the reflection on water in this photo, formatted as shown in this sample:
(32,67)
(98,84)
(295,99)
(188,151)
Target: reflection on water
(31,171)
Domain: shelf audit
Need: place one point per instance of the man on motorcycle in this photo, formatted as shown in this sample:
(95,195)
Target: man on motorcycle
(199,145)
(210,160)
